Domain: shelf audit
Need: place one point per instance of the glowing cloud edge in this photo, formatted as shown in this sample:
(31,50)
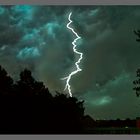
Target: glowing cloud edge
(68,78)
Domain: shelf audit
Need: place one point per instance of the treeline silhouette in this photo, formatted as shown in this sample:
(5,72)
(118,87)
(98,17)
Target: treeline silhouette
(27,107)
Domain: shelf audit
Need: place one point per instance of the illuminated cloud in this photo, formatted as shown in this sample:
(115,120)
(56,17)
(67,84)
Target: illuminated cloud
(3,47)
(51,28)
(25,10)
(28,52)
(102,101)
(1,10)
(94,12)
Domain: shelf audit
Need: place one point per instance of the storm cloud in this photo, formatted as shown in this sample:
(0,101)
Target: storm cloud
(36,37)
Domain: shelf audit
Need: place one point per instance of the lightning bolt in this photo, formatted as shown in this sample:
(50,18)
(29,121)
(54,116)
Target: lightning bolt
(78,69)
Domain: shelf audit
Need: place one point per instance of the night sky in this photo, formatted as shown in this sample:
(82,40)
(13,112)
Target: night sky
(36,37)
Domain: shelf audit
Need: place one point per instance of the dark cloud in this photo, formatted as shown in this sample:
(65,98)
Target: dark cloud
(36,37)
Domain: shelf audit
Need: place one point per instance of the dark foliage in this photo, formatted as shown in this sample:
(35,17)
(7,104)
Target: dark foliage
(137,81)
(6,82)
(27,107)
(138,34)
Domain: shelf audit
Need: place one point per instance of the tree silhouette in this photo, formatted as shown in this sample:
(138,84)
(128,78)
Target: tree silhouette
(69,112)
(137,81)
(138,34)
(34,110)
(28,86)
(6,82)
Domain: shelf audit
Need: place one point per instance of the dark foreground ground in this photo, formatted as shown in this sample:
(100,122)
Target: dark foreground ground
(22,115)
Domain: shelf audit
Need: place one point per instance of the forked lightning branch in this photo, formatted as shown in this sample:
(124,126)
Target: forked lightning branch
(78,69)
